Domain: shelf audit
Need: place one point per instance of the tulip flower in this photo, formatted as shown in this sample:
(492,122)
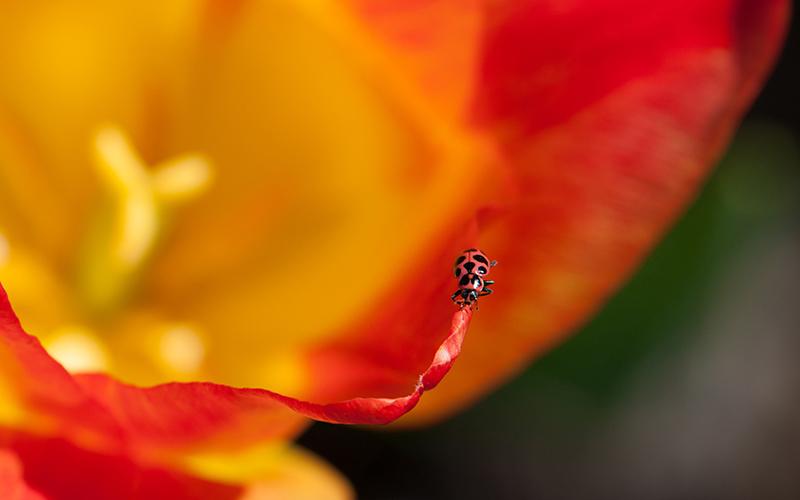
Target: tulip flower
(219,220)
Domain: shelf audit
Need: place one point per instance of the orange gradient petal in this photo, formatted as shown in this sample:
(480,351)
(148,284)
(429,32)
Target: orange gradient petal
(608,115)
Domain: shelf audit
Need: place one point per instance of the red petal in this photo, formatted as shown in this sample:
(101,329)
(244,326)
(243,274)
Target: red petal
(58,469)
(608,116)
(35,468)
(109,415)
(12,484)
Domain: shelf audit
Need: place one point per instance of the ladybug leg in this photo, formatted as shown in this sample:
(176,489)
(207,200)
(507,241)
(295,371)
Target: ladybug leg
(455,295)
(473,298)
(488,282)
(486,291)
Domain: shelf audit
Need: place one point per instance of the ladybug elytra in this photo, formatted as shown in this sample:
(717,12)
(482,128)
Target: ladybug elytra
(470,269)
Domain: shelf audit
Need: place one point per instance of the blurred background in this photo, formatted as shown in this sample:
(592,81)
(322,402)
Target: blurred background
(686,386)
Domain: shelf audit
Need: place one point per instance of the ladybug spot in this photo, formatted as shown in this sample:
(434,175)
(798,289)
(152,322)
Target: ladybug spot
(460,259)
(480,258)
(464,280)
(458,272)
(482,270)
(469,266)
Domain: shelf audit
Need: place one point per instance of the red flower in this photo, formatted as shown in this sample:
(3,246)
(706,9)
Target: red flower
(355,149)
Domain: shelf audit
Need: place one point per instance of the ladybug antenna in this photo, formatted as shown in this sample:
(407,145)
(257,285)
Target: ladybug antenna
(493,263)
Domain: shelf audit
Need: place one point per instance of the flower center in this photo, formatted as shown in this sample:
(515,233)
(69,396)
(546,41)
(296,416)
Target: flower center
(78,311)
(327,193)
(136,206)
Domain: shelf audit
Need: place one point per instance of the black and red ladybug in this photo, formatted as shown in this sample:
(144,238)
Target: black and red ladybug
(470,269)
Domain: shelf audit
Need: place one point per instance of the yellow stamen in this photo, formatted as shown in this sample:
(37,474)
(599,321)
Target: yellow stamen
(77,349)
(129,222)
(182,350)
(182,178)
(125,176)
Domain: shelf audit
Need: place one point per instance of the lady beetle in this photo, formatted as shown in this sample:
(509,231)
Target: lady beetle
(470,269)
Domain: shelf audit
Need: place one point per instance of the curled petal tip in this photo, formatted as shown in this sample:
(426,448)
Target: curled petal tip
(172,415)
(449,350)
(387,410)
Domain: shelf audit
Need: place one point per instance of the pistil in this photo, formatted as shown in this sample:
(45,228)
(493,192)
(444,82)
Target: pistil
(130,219)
